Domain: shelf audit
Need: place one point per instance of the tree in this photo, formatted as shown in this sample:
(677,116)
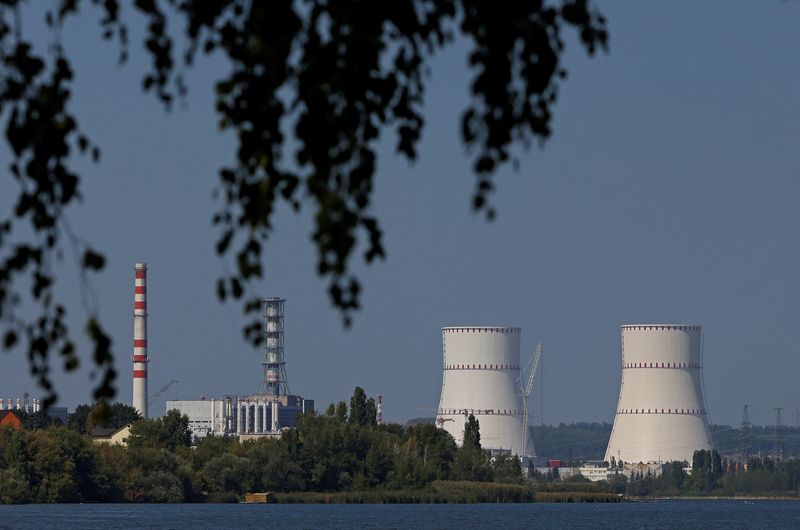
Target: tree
(168,432)
(471,462)
(311,88)
(362,410)
(86,417)
(472,433)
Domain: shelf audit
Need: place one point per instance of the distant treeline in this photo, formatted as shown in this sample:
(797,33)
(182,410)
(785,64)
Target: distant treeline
(588,440)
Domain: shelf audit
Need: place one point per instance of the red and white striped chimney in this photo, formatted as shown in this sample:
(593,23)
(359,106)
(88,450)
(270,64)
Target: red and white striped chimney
(140,339)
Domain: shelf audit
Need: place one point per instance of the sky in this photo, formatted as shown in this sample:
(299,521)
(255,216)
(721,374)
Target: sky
(666,194)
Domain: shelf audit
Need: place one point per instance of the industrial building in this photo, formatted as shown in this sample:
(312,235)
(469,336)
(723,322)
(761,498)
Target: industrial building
(661,414)
(261,414)
(29,405)
(481,374)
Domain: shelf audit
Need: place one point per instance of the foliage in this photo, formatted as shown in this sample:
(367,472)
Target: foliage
(86,417)
(309,89)
(574,441)
(363,411)
(322,454)
(169,432)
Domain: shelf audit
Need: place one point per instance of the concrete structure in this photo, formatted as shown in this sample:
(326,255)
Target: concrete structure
(480,377)
(26,404)
(111,435)
(273,369)
(249,416)
(140,358)
(661,413)
(243,416)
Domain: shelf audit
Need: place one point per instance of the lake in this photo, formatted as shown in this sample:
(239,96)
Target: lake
(657,514)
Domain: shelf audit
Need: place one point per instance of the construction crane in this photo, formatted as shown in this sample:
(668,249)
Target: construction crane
(526,392)
(160,391)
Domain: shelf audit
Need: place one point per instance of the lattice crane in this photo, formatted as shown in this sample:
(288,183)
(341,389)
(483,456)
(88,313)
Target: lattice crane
(526,392)
(161,391)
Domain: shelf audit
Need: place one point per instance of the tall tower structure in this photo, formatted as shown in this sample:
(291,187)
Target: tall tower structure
(661,413)
(140,358)
(273,368)
(479,377)
(778,450)
(745,440)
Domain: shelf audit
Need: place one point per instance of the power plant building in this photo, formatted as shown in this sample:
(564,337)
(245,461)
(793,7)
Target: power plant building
(240,416)
(265,413)
(481,368)
(661,414)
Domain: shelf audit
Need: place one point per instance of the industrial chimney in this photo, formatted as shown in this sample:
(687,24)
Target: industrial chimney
(480,374)
(661,414)
(140,358)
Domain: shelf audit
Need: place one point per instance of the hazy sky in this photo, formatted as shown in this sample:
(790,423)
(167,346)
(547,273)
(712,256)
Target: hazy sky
(668,193)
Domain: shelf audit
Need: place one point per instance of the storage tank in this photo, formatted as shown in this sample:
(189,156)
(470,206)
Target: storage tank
(480,377)
(661,414)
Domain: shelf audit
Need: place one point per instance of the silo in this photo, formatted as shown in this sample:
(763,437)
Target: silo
(480,377)
(661,413)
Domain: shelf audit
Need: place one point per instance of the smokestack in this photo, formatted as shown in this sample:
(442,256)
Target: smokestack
(140,359)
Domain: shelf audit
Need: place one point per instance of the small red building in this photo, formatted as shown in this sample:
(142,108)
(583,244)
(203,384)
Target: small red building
(9,417)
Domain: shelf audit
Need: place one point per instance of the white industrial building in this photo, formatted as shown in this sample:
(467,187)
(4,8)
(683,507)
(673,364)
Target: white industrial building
(481,371)
(239,416)
(661,414)
(262,414)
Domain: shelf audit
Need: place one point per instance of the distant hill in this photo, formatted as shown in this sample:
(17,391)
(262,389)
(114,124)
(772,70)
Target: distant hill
(588,440)
(420,421)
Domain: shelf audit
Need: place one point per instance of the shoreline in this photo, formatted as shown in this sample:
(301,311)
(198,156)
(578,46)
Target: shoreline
(714,498)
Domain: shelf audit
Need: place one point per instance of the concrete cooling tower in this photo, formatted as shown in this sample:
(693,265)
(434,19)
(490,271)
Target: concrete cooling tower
(480,374)
(661,414)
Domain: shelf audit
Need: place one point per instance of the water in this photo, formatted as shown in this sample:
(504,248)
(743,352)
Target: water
(662,514)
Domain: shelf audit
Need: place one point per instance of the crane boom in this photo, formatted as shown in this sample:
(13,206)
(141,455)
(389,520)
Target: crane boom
(526,394)
(161,391)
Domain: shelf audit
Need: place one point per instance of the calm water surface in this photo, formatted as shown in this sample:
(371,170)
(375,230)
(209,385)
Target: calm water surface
(663,514)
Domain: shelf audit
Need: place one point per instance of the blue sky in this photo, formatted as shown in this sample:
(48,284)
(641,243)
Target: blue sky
(667,193)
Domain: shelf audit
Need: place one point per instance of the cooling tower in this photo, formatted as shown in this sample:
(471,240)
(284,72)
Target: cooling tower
(661,414)
(480,374)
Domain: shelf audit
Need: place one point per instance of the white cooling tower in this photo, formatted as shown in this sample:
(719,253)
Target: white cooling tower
(661,414)
(480,374)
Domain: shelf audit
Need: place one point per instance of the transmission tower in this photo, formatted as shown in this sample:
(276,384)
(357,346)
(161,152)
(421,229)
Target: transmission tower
(745,440)
(778,434)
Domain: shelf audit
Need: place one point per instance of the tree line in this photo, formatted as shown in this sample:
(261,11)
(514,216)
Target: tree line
(338,451)
(713,475)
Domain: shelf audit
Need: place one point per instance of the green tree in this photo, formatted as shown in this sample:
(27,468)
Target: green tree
(79,418)
(308,91)
(472,433)
(471,462)
(507,469)
(168,432)
(14,487)
(362,410)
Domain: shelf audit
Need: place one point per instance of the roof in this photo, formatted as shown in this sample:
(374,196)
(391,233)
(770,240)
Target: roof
(4,413)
